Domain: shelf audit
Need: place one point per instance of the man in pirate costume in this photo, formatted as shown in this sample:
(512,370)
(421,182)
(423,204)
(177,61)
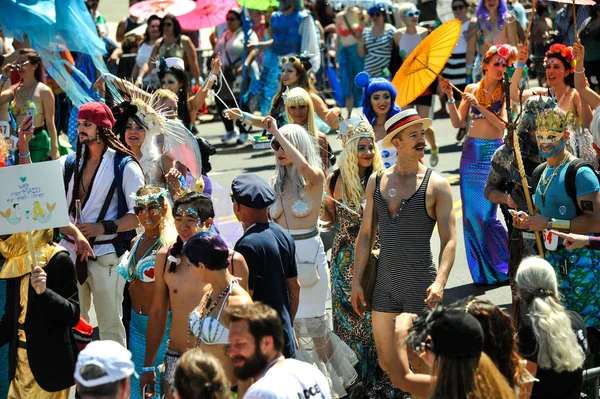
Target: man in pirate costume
(42,307)
(100,178)
(505,188)
(567,199)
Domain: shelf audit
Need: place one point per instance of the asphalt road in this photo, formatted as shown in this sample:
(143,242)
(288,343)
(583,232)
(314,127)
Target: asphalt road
(232,160)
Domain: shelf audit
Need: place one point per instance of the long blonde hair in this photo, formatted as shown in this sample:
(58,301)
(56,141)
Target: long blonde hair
(168,233)
(558,348)
(298,96)
(350,182)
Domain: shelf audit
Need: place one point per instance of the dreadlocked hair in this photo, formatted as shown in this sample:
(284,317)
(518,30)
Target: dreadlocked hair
(111,141)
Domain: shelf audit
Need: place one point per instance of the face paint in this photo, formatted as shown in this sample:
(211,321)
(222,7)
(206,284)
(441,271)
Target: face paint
(548,139)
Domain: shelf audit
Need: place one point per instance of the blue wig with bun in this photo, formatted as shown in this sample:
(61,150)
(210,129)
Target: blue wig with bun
(370,86)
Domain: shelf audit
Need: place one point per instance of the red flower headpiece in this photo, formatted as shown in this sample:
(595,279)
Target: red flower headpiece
(505,51)
(563,51)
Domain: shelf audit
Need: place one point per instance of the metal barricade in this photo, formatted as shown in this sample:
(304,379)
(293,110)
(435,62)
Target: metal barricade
(591,390)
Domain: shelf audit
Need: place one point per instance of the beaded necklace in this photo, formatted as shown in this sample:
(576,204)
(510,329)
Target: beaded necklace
(207,309)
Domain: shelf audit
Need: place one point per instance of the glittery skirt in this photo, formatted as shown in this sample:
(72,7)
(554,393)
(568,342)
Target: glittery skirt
(137,346)
(486,240)
(580,285)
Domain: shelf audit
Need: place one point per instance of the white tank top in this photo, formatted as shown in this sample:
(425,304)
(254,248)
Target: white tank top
(409,42)
(461,45)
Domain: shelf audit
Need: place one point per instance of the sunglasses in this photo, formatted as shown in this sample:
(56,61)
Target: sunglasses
(168,24)
(232,19)
(500,64)
(376,14)
(412,13)
(19,66)
(459,7)
(154,209)
(276,146)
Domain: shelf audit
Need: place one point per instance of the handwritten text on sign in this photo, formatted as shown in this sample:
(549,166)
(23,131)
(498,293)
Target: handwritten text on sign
(32,197)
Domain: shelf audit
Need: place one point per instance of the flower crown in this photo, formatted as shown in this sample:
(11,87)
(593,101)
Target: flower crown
(505,51)
(353,128)
(565,52)
(151,119)
(149,197)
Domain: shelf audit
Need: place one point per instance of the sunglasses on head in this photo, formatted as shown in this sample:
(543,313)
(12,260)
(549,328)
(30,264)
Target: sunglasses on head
(412,13)
(152,209)
(276,146)
(458,7)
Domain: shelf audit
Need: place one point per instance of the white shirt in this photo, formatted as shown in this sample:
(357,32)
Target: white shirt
(290,379)
(133,179)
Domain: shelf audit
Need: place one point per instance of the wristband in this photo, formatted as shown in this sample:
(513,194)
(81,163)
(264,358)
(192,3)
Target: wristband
(245,65)
(3,79)
(148,369)
(582,71)
(451,100)
(109,227)
(25,156)
(559,224)
(243,116)
(521,64)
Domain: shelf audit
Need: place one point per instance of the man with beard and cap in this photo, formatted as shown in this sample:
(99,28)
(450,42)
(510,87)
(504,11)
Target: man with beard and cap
(405,202)
(256,344)
(269,251)
(567,199)
(42,307)
(504,187)
(294,32)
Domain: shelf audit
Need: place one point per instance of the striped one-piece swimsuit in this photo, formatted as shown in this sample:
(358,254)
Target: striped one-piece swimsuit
(406,268)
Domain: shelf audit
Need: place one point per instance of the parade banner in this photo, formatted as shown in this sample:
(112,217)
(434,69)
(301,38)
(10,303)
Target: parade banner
(32,197)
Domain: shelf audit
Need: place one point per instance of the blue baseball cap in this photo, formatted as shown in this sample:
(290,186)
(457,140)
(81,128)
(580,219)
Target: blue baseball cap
(252,191)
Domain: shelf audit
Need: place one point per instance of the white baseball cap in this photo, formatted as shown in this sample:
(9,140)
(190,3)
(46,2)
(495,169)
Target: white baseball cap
(110,356)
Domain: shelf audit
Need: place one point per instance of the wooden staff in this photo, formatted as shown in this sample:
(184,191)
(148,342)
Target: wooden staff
(575,22)
(517,148)
(530,20)
(31,249)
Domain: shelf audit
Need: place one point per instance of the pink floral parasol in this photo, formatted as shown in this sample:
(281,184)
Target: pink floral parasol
(146,8)
(206,14)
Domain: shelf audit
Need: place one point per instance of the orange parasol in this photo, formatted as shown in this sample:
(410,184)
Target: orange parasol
(425,62)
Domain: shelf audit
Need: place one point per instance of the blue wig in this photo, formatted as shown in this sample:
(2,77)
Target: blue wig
(483,14)
(370,86)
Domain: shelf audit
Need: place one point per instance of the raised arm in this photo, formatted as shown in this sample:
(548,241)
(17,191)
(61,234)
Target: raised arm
(588,96)
(314,175)
(197,100)
(515,83)
(402,376)
(48,106)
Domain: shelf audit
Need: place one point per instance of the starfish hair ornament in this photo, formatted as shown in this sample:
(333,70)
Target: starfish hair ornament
(355,127)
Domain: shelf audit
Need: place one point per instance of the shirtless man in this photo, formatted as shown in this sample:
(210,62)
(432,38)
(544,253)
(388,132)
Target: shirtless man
(178,287)
(407,280)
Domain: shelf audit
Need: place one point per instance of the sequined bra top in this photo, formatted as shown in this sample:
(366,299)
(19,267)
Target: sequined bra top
(142,270)
(494,107)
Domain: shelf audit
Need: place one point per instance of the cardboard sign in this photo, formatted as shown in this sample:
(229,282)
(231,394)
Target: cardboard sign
(550,240)
(32,197)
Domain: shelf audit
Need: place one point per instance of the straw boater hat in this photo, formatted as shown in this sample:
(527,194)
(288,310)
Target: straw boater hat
(402,120)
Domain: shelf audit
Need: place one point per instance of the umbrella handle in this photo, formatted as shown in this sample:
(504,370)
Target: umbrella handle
(456,88)
(530,19)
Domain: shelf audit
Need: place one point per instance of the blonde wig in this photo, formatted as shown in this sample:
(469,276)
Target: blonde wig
(353,190)
(307,146)
(298,96)
(558,348)
(150,192)
(160,95)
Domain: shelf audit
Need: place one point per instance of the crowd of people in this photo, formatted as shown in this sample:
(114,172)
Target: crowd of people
(186,309)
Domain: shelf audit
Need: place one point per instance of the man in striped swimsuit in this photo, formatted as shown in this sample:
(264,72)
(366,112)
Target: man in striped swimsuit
(406,200)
